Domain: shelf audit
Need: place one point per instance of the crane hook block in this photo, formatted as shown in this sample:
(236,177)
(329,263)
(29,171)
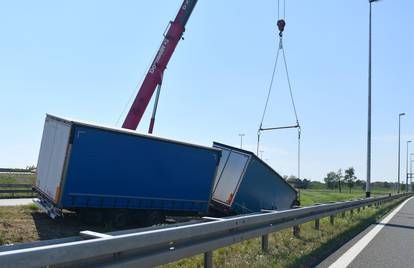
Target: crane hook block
(281,25)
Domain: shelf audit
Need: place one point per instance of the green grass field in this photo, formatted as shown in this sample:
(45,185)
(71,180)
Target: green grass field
(17,178)
(14,178)
(312,196)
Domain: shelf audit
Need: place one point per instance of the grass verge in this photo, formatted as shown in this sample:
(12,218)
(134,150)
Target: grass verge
(312,196)
(16,225)
(286,250)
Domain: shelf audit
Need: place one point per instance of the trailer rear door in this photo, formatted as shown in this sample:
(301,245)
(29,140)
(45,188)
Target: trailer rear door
(52,156)
(229,175)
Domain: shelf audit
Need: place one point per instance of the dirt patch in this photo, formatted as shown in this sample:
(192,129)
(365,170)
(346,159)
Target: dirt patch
(26,224)
(17,225)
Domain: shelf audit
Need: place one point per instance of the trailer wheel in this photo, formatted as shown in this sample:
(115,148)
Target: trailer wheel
(154,217)
(91,216)
(120,218)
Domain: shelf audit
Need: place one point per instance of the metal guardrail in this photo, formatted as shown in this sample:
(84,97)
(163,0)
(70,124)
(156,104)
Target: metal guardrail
(16,188)
(17,171)
(149,247)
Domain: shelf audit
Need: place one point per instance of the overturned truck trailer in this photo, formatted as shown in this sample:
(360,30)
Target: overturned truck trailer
(105,172)
(245,184)
(114,174)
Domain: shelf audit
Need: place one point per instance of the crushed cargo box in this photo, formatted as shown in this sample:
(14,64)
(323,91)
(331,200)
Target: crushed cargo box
(244,184)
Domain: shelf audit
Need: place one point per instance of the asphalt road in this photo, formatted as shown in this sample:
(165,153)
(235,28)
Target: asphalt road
(389,243)
(16,202)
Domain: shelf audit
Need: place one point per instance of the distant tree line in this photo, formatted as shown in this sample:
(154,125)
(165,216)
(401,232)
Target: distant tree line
(339,180)
(298,183)
(31,168)
(303,183)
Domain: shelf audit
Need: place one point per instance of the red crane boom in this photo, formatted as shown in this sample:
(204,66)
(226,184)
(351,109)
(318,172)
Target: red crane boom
(155,73)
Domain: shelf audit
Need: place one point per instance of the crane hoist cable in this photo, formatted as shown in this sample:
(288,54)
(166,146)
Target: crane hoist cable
(281,24)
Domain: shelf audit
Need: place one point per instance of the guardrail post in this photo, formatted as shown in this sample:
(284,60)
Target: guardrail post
(352,212)
(332,219)
(317,224)
(296,230)
(208,259)
(265,243)
(359,210)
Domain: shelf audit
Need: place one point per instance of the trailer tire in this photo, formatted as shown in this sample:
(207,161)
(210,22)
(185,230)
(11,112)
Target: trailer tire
(91,216)
(154,217)
(120,218)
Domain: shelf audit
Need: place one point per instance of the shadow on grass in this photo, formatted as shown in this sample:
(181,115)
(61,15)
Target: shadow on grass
(316,256)
(397,225)
(69,225)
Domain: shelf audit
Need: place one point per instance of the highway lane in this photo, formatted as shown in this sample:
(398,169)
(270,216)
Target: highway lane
(389,243)
(16,202)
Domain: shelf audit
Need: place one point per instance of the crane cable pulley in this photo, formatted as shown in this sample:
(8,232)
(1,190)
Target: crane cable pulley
(281,24)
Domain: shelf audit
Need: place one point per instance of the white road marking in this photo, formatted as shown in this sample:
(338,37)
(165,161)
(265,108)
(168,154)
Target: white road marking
(351,253)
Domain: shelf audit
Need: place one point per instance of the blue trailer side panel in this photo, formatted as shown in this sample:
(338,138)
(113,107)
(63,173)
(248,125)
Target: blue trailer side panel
(262,188)
(117,170)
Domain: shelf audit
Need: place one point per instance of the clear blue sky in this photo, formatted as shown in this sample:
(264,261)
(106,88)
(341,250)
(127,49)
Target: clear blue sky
(84,59)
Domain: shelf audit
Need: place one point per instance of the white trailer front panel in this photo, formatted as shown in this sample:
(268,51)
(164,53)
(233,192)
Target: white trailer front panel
(52,155)
(229,174)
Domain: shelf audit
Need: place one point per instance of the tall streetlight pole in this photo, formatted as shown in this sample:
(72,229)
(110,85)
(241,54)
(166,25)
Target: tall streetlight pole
(241,139)
(399,149)
(406,169)
(411,171)
(368,184)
